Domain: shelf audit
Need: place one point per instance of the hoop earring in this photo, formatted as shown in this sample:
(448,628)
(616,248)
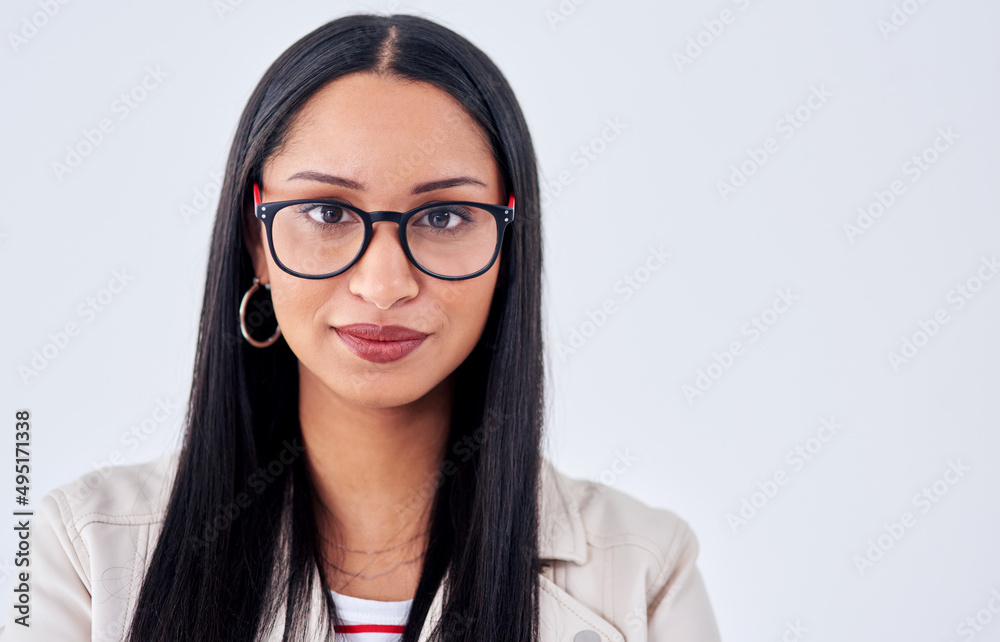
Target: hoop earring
(243,317)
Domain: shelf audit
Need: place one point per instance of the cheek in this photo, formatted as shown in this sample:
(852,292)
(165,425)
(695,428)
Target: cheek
(295,306)
(469,307)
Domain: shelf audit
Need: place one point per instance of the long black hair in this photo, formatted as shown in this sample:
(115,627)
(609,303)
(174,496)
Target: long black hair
(239,537)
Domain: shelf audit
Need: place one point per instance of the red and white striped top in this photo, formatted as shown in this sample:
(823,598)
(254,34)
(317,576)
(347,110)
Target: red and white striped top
(370,620)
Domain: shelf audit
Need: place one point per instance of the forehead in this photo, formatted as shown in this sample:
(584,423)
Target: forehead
(367,125)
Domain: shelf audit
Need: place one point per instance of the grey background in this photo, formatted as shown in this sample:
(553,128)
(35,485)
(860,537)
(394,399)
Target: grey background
(141,203)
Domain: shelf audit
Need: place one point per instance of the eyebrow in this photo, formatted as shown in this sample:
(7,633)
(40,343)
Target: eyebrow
(421,188)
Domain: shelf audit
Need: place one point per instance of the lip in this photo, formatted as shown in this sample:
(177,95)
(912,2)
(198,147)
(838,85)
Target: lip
(380,344)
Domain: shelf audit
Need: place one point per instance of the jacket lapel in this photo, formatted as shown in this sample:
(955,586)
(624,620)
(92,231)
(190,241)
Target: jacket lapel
(561,617)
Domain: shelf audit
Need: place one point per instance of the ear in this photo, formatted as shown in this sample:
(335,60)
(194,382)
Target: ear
(256,242)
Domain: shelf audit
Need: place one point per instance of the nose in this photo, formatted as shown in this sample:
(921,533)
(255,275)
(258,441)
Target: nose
(384,275)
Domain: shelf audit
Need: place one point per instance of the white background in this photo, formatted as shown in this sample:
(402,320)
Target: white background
(617,404)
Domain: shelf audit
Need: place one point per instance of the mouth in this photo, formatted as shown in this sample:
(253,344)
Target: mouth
(380,344)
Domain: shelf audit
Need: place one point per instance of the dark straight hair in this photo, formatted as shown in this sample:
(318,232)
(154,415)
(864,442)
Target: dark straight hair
(239,537)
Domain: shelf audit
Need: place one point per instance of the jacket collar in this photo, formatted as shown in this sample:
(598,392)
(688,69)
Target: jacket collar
(561,532)
(561,537)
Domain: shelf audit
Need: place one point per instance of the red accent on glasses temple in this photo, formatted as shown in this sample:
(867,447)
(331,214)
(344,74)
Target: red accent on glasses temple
(510,203)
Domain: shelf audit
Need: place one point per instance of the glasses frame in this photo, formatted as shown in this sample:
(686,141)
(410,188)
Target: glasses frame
(502,214)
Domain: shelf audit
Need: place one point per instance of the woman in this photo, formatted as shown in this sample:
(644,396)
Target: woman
(364,455)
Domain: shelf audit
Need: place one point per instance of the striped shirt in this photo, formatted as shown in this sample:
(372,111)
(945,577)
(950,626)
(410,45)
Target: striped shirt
(370,620)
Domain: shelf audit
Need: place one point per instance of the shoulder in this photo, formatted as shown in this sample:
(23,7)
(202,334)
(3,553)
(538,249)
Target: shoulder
(611,517)
(605,531)
(133,494)
(621,562)
(88,541)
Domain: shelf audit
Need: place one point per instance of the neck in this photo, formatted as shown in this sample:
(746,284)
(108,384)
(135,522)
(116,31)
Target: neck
(375,472)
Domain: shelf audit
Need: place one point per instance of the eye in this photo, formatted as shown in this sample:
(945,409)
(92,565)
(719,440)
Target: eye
(326,213)
(445,217)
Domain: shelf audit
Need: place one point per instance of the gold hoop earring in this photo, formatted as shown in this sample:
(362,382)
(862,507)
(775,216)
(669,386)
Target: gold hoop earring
(243,317)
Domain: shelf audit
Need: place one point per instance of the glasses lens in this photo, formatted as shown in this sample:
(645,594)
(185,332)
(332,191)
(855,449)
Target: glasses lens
(316,238)
(452,240)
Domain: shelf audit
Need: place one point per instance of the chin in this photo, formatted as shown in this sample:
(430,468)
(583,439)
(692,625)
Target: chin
(365,398)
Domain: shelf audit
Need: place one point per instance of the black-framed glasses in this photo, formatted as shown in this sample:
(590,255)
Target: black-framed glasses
(320,238)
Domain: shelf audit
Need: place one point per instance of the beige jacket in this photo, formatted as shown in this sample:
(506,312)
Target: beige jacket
(616,569)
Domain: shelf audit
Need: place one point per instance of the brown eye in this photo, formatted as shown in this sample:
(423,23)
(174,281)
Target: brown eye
(324,212)
(445,218)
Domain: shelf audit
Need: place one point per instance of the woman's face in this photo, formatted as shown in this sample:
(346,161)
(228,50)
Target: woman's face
(371,142)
